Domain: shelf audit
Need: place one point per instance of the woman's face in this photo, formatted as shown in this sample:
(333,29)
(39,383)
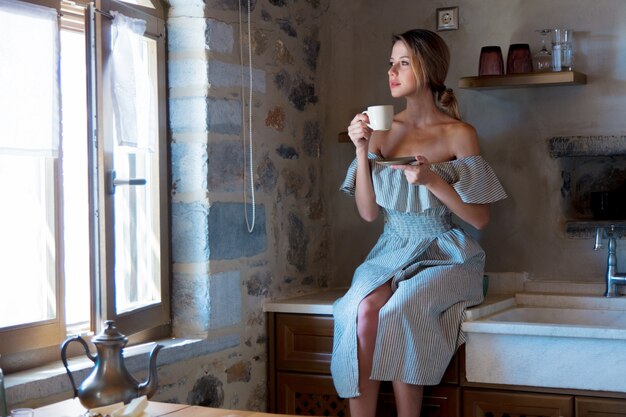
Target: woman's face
(402,81)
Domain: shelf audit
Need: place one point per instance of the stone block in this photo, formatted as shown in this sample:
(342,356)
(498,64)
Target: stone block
(225,171)
(298,242)
(189,167)
(230,4)
(190,239)
(194,8)
(225,299)
(190,313)
(223,74)
(287,152)
(299,92)
(239,372)
(189,114)
(208,391)
(267,174)
(224,116)
(232,239)
(312,139)
(187,72)
(219,36)
(186,34)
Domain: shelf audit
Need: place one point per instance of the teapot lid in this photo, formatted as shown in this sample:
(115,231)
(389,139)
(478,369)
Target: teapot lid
(109,334)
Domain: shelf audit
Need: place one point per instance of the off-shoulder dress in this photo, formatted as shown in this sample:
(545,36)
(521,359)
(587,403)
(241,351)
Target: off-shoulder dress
(435,268)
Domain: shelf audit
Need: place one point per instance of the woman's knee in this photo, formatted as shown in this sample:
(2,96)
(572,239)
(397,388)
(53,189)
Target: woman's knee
(370,306)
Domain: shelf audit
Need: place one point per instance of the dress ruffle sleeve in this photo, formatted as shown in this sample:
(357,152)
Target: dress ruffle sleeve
(349,183)
(472,178)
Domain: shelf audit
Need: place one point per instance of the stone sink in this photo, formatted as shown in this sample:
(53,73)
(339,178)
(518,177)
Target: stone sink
(548,340)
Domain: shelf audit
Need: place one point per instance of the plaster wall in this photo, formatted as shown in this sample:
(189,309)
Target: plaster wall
(526,232)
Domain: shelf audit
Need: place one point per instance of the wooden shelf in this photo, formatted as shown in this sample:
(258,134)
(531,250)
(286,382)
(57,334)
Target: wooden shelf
(343,137)
(531,79)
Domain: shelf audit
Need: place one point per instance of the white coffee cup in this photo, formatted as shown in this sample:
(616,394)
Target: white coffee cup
(380,117)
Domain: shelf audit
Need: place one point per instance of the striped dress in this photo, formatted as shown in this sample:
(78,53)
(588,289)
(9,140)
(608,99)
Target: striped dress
(435,269)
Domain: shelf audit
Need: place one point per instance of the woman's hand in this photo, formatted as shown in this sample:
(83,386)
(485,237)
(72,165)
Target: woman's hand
(359,132)
(418,172)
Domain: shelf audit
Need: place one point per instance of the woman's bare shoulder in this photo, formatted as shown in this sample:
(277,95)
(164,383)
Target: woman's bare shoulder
(462,139)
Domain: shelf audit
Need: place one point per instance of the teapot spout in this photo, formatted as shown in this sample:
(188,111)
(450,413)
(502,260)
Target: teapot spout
(149,387)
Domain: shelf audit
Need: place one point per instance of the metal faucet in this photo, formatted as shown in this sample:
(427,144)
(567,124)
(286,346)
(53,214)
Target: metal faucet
(612,277)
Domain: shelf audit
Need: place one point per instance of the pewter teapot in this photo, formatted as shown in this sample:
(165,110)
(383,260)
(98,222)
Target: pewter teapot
(109,382)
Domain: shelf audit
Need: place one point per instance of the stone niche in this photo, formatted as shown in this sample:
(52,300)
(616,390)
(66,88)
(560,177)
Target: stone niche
(593,168)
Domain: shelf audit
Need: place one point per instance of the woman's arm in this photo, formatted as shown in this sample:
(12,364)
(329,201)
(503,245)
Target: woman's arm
(365,198)
(475,214)
(462,142)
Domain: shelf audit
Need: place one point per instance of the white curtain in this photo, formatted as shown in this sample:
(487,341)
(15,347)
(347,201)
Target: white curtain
(132,93)
(29,79)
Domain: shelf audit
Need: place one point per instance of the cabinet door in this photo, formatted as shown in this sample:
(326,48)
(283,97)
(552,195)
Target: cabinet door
(502,404)
(315,395)
(304,342)
(600,407)
(309,395)
(438,401)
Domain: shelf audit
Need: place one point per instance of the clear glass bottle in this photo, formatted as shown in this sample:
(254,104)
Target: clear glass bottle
(543,59)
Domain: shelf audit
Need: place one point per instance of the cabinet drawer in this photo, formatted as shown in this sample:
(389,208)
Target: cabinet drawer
(500,403)
(304,343)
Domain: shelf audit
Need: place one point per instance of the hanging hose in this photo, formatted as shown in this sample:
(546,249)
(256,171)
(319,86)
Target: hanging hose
(249,224)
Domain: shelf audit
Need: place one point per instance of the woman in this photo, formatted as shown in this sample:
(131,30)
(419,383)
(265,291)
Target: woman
(400,320)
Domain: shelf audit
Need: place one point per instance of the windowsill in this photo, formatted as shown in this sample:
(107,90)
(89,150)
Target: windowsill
(34,386)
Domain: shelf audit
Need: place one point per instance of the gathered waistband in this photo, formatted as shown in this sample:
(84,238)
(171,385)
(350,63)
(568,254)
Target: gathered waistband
(418,226)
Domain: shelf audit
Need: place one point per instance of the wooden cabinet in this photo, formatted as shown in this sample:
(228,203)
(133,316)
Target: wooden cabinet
(304,342)
(600,407)
(508,404)
(300,348)
(300,381)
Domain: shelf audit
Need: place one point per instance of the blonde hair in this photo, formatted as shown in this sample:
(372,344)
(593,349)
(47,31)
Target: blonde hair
(430,59)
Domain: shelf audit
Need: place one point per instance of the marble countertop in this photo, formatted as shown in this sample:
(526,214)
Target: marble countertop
(322,303)
(315,303)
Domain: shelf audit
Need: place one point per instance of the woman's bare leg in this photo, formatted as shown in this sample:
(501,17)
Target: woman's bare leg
(408,398)
(367,327)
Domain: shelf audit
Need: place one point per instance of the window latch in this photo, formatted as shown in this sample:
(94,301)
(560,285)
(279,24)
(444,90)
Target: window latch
(113,181)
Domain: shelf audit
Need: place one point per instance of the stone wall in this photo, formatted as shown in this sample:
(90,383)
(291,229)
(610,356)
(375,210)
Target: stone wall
(222,272)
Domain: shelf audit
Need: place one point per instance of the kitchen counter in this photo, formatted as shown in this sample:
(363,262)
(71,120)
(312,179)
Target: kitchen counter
(316,303)
(536,333)
(322,303)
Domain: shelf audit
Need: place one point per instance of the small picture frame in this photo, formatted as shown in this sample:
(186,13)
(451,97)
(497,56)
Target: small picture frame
(447,18)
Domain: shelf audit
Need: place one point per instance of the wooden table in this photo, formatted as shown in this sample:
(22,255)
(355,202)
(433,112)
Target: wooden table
(73,408)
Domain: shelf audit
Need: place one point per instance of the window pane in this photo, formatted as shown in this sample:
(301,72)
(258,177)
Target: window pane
(137,232)
(28,76)
(27,241)
(75,179)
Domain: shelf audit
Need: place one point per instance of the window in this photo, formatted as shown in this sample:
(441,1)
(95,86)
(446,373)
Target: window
(83,169)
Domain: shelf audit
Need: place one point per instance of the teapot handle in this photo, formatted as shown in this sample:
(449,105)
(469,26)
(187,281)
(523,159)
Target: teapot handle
(64,358)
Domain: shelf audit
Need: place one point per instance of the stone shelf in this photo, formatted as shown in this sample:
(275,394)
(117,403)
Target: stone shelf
(530,79)
(587,228)
(569,146)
